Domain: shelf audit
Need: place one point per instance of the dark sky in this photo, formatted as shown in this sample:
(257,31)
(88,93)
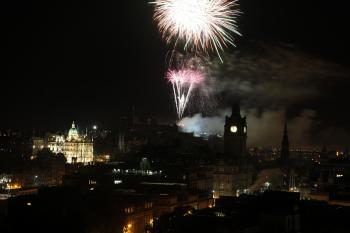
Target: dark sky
(90,61)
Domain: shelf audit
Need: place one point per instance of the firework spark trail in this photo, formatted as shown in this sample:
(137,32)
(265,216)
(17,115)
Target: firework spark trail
(202,25)
(183,82)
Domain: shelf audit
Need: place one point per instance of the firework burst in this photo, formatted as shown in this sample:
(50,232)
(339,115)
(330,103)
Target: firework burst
(203,25)
(183,82)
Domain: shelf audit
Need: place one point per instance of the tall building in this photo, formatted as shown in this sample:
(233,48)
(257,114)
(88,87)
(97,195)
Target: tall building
(324,156)
(285,146)
(235,134)
(75,147)
(232,176)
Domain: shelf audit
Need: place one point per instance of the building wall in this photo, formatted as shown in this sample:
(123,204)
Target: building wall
(230,181)
(75,151)
(201,179)
(138,217)
(82,151)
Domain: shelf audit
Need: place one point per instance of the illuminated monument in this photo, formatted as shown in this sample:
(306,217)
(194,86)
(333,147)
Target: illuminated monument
(235,135)
(75,147)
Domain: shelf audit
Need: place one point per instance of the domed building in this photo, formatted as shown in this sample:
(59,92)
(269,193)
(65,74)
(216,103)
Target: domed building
(73,134)
(75,147)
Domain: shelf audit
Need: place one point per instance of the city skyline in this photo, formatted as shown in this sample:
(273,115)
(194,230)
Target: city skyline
(175,116)
(67,61)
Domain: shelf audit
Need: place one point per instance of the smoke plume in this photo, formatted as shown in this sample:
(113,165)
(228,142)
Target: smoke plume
(274,85)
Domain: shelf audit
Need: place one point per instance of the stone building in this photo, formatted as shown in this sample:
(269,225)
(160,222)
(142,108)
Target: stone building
(77,148)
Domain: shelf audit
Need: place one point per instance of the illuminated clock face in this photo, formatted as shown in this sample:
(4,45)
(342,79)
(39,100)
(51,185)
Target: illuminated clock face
(234,129)
(245,129)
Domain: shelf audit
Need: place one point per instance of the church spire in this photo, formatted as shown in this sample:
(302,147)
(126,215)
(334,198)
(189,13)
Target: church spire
(236,110)
(285,145)
(285,134)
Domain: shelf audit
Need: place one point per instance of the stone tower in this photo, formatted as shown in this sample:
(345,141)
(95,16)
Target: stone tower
(285,146)
(235,135)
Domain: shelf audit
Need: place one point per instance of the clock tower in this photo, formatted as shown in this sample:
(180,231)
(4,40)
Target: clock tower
(235,135)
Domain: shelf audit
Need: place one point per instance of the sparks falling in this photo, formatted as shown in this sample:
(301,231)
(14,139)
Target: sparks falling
(203,25)
(183,82)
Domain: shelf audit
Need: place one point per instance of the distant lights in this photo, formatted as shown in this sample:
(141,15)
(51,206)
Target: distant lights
(339,175)
(189,212)
(219,214)
(5,179)
(294,189)
(127,228)
(13,186)
(118,181)
(137,171)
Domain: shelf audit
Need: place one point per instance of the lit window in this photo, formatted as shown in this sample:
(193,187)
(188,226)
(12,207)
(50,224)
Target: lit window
(118,181)
(92,182)
(219,214)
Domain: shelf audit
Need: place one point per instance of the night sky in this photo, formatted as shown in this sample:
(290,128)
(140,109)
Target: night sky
(91,61)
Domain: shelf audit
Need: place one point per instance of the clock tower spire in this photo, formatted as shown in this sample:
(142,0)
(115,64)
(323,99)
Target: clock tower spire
(235,135)
(285,145)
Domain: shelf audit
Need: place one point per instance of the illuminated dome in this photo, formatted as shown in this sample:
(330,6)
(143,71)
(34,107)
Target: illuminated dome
(73,133)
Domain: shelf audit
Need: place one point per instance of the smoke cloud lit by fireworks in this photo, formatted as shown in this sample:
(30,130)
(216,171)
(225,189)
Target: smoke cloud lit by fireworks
(264,129)
(202,25)
(275,83)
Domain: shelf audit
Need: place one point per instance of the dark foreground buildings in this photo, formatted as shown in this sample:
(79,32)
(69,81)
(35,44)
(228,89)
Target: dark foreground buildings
(271,212)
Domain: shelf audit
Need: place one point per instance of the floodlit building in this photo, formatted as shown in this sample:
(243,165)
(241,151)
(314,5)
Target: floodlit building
(76,148)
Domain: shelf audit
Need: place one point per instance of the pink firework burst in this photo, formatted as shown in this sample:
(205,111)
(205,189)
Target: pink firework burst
(183,82)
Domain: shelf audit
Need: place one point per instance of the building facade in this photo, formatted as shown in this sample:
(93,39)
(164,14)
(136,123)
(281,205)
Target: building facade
(231,180)
(76,148)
